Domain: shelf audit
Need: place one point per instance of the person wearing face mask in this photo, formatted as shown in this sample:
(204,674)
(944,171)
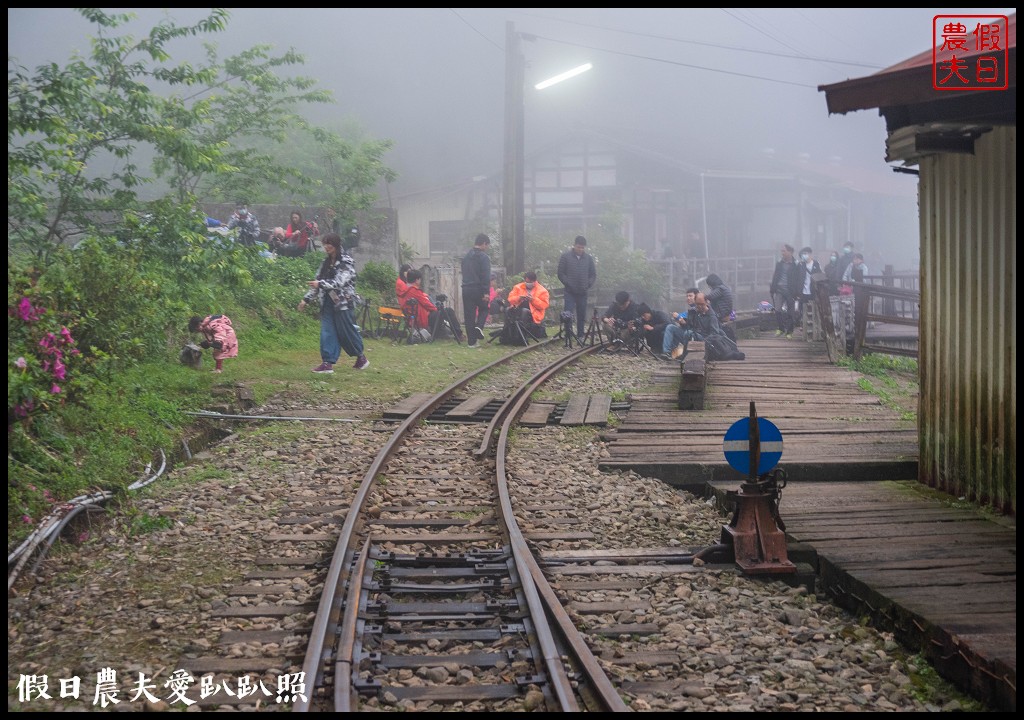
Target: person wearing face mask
(247,224)
(807,267)
(784,289)
(856,270)
(831,271)
(845,258)
(527,304)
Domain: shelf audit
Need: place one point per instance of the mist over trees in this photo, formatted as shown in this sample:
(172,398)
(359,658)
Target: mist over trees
(89,139)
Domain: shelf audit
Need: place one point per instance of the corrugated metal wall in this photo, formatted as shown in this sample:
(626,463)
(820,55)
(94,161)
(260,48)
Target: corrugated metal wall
(968,357)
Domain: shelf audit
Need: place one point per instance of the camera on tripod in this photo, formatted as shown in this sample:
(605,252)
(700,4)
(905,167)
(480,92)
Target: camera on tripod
(515,311)
(440,298)
(567,316)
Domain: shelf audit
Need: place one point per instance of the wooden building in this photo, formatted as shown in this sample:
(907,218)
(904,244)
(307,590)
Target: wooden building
(964,146)
(665,205)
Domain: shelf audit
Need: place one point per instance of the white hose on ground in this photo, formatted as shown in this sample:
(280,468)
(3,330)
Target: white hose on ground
(50,527)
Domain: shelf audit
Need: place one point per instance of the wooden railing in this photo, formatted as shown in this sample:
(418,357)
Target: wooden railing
(904,310)
(871,304)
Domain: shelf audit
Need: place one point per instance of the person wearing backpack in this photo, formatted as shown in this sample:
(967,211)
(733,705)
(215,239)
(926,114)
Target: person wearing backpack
(705,327)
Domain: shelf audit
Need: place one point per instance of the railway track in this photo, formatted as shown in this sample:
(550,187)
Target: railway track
(433,597)
(445,612)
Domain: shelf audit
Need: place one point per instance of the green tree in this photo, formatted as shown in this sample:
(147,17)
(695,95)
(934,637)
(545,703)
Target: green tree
(63,120)
(245,110)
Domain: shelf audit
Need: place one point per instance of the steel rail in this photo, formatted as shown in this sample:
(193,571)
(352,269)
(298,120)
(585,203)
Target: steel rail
(346,641)
(334,581)
(535,585)
(492,426)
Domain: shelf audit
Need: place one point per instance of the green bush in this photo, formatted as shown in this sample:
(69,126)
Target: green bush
(376,282)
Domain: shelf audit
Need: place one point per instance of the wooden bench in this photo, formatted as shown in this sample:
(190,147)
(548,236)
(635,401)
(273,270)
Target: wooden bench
(390,322)
(692,378)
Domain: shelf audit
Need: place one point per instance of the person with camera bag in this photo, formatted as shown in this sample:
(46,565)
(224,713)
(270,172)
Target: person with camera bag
(528,301)
(335,289)
(705,327)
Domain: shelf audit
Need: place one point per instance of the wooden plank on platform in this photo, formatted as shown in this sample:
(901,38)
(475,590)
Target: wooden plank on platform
(692,379)
(408,406)
(470,407)
(537,414)
(598,409)
(576,410)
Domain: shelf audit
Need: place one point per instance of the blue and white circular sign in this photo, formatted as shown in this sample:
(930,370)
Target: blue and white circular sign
(737,445)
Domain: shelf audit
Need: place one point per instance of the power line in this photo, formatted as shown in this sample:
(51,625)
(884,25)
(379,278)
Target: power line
(710,45)
(456,14)
(761,30)
(675,62)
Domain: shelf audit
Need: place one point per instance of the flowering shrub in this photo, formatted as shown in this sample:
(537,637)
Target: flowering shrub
(39,349)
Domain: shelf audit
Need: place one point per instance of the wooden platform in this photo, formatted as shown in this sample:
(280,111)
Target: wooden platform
(831,428)
(942,578)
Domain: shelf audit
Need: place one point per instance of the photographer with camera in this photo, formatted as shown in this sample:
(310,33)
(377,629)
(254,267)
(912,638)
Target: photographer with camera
(620,319)
(653,323)
(527,303)
(429,316)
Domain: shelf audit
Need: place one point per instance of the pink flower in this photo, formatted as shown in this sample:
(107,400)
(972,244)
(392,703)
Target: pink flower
(26,519)
(55,389)
(58,370)
(66,334)
(21,363)
(26,311)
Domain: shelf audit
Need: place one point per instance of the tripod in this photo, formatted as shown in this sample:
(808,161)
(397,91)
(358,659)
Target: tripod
(512,320)
(593,334)
(567,332)
(441,320)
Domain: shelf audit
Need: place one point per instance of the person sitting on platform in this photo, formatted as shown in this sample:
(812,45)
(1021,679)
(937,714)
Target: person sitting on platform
(678,332)
(722,301)
(706,328)
(527,303)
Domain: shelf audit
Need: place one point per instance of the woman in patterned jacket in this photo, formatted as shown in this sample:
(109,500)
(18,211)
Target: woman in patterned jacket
(335,289)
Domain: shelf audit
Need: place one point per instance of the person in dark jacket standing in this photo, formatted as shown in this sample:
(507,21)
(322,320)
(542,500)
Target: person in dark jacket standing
(476,289)
(784,290)
(806,268)
(577,272)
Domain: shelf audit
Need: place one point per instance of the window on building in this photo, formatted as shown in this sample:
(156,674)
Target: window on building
(447,237)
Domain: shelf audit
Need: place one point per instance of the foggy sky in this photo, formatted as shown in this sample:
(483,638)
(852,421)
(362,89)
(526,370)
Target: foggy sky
(707,86)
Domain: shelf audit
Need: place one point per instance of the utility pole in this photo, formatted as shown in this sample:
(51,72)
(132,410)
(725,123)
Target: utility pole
(513,243)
